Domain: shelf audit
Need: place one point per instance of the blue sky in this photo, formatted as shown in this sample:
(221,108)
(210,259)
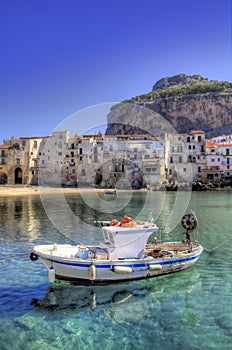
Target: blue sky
(61,56)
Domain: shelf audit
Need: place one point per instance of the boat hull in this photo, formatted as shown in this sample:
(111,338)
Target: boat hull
(92,271)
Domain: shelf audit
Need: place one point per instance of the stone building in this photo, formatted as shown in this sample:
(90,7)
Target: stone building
(83,157)
(122,161)
(3,164)
(131,161)
(19,160)
(185,156)
(51,159)
(219,163)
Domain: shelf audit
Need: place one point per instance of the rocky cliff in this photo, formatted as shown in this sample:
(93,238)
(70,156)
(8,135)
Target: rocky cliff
(176,104)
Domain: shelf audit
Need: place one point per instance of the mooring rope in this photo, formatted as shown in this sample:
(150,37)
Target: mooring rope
(218,246)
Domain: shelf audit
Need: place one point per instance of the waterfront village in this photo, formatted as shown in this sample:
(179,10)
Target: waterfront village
(118,161)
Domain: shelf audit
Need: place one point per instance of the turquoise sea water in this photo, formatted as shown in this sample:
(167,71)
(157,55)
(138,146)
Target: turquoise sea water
(191,309)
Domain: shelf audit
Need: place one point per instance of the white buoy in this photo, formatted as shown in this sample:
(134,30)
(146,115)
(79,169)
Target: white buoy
(92,272)
(122,269)
(51,274)
(155,267)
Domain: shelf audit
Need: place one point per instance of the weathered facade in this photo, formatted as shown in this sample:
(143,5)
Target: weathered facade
(3,164)
(185,156)
(19,159)
(219,163)
(115,161)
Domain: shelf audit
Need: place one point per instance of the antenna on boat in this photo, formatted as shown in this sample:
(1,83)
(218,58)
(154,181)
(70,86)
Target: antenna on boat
(150,218)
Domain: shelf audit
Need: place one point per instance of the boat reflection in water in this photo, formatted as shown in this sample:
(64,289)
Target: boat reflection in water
(122,302)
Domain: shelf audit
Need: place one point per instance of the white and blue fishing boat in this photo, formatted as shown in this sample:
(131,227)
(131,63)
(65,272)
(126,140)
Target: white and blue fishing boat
(124,255)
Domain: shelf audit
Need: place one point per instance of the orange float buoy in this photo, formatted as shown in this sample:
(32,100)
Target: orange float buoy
(127,221)
(114,222)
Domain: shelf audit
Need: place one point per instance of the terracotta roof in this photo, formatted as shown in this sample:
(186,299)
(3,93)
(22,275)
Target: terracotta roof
(224,144)
(33,137)
(171,135)
(197,132)
(4,147)
(129,135)
(210,145)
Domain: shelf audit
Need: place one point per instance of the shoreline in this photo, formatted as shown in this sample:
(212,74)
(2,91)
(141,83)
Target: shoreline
(21,190)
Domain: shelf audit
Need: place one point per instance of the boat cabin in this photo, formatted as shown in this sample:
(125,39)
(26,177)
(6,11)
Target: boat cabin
(127,242)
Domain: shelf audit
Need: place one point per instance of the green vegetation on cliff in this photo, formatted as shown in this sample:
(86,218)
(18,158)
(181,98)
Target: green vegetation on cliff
(182,85)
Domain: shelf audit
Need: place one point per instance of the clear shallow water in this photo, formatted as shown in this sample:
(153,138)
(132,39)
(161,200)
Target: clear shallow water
(188,310)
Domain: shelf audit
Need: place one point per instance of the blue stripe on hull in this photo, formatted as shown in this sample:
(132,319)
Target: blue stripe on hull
(109,266)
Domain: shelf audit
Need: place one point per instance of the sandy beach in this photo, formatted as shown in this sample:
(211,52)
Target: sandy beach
(9,191)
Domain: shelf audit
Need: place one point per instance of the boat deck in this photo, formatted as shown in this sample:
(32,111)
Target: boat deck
(174,247)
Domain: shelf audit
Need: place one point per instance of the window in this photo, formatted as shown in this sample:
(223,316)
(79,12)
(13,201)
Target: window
(199,169)
(199,138)
(18,161)
(35,144)
(23,142)
(180,159)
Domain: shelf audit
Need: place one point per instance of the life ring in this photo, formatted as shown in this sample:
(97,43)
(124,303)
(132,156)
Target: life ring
(189,221)
(33,256)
